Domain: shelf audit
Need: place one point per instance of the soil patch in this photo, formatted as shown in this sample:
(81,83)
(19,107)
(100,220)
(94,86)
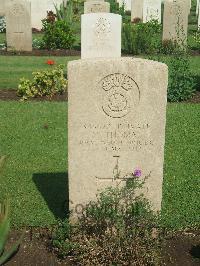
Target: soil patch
(11,95)
(182,248)
(34,250)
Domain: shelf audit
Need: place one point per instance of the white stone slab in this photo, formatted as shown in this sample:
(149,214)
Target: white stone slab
(18,25)
(116,123)
(197,7)
(175,21)
(127,4)
(39,10)
(100,35)
(136,10)
(152,10)
(199,18)
(2,8)
(96,7)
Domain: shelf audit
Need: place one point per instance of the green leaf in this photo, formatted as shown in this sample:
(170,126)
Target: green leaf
(4,224)
(7,255)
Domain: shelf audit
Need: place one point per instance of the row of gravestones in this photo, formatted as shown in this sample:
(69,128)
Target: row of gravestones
(175,21)
(38,10)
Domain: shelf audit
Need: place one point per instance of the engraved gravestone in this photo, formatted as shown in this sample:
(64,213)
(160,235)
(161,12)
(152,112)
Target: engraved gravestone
(18,25)
(100,35)
(96,7)
(116,124)
(152,10)
(175,22)
(136,10)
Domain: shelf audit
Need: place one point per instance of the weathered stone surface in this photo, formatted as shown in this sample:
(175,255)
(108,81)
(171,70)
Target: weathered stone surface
(39,10)
(152,10)
(116,123)
(96,7)
(2,8)
(100,35)
(137,10)
(175,22)
(197,7)
(126,3)
(18,25)
(199,17)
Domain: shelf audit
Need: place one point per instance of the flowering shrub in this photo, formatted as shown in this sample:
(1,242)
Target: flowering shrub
(2,24)
(57,33)
(44,83)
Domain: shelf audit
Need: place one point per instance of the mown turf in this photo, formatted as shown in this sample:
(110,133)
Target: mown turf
(181,190)
(34,137)
(12,68)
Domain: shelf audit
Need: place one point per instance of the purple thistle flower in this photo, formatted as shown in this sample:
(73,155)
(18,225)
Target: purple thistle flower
(137,173)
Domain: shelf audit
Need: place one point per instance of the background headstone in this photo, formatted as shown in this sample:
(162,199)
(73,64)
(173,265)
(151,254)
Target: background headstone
(175,22)
(2,8)
(197,7)
(39,10)
(18,25)
(100,35)
(116,123)
(152,10)
(137,10)
(127,4)
(199,18)
(96,7)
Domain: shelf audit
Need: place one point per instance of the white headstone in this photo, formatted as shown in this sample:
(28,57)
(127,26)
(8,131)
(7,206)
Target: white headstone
(197,7)
(96,7)
(136,10)
(116,124)
(18,25)
(39,10)
(199,18)
(126,3)
(100,35)
(2,8)
(175,22)
(152,10)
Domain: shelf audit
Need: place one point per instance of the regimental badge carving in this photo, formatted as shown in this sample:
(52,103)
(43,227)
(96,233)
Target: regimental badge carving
(102,27)
(121,94)
(17,10)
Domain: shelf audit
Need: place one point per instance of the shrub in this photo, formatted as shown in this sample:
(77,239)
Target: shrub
(119,228)
(38,44)
(181,81)
(196,41)
(44,83)
(57,33)
(141,37)
(2,24)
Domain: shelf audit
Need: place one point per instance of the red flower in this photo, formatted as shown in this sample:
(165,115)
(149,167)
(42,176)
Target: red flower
(50,62)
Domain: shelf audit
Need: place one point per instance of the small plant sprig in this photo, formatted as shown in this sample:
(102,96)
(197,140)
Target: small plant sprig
(4,231)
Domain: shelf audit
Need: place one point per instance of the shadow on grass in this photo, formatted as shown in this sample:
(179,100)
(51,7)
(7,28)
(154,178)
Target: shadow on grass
(54,189)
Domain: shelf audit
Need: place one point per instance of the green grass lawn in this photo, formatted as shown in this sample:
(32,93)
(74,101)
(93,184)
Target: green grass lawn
(12,68)
(34,137)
